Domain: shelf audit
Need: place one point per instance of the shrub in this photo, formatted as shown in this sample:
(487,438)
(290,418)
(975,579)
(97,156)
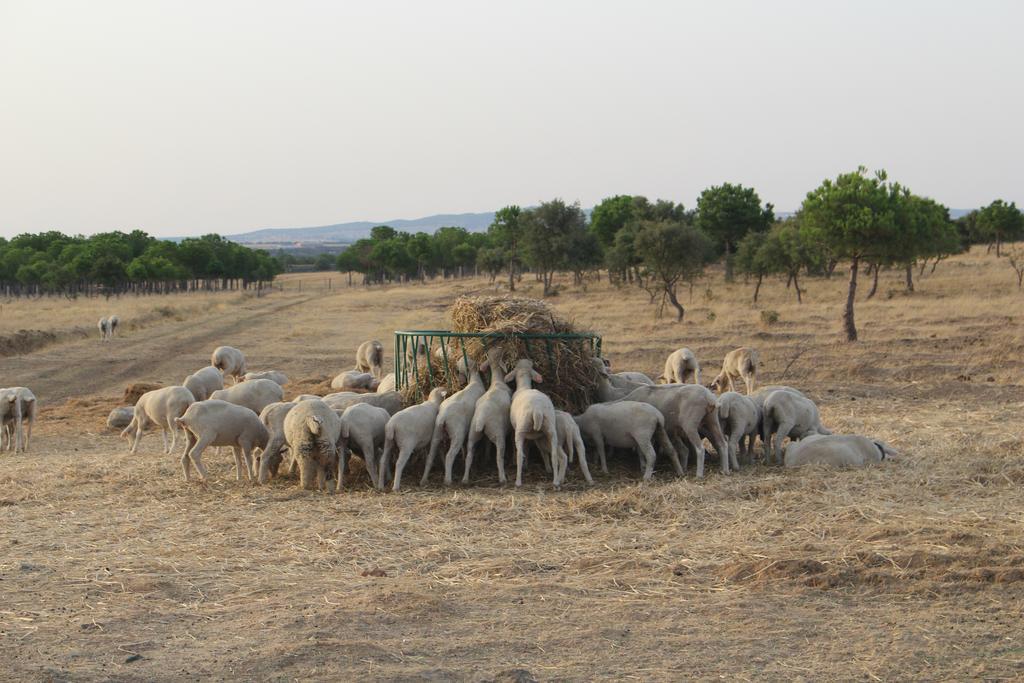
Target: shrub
(769,317)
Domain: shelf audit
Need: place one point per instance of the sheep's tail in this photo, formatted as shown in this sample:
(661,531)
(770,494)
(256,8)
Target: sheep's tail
(723,410)
(315,424)
(538,421)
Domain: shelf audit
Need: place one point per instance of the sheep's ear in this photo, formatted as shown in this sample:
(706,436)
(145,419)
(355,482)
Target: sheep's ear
(536,376)
(485,366)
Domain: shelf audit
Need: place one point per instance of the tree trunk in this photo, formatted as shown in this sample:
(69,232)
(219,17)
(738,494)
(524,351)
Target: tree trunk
(999,244)
(757,289)
(728,262)
(680,311)
(830,268)
(796,286)
(848,323)
(924,264)
(874,283)
(789,280)
(910,277)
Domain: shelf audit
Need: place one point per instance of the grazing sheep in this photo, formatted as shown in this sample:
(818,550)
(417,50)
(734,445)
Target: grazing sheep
(391,401)
(272,417)
(351,380)
(571,442)
(687,408)
(120,417)
(743,363)
(159,407)
(406,432)
(626,424)
(229,360)
(787,414)
(490,415)
(202,383)
(104,327)
(845,450)
(370,358)
(759,398)
(533,419)
(454,418)
(112,323)
(738,415)
(255,394)
(219,423)
(387,384)
(312,429)
(681,367)
(362,426)
(272,375)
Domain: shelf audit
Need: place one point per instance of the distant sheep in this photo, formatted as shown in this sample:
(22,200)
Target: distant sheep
(229,360)
(391,401)
(387,384)
(112,323)
(681,367)
(203,382)
(352,380)
(219,423)
(272,375)
(158,407)
(255,394)
(741,363)
(370,358)
(846,450)
(104,328)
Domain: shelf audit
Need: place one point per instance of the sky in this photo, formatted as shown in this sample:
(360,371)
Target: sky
(188,117)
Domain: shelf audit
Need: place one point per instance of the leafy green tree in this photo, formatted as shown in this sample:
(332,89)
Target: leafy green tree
(727,212)
(1000,222)
(506,232)
(749,260)
(549,232)
(672,252)
(611,215)
(491,260)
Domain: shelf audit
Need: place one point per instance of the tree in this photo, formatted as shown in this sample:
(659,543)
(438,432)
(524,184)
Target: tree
(672,252)
(854,216)
(549,231)
(749,260)
(506,231)
(1000,222)
(728,212)
(788,249)
(610,216)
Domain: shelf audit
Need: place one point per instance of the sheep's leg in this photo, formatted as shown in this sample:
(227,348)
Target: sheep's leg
(449,457)
(403,458)
(163,434)
(196,456)
(435,444)
(599,442)
(382,466)
(499,455)
(190,441)
(714,430)
(784,429)
(666,447)
(138,436)
(695,442)
(342,457)
(644,446)
(581,454)
(546,458)
(471,441)
(307,473)
(238,462)
(559,461)
(369,458)
(173,428)
(520,457)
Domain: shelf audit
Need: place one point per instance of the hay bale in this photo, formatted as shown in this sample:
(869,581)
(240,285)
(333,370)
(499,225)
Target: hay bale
(135,390)
(570,377)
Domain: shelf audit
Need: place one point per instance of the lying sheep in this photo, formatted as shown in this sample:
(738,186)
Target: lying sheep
(681,367)
(255,395)
(626,424)
(619,379)
(406,432)
(370,358)
(272,375)
(491,415)
(104,327)
(743,363)
(533,419)
(362,426)
(454,418)
(120,417)
(738,415)
(229,360)
(159,407)
(391,401)
(202,383)
(312,429)
(272,417)
(570,442)
(219,423)
(351,380)
(387,384)
(787,414)
(845,450)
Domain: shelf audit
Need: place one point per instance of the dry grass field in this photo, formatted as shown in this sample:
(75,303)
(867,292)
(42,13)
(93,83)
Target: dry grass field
(112,568)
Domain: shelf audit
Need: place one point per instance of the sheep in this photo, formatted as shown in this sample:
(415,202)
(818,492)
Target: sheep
(743,363)
(112,323)
(620,379)
(533,419)
(351,380)
(491,415)
(387,384)
(272,417)
(687,409)
(312,430)
(370,358)
(218,423)
(229,360)
(158,407)
(29,407)
(738,415)
(255,394)
(846,450)
(391,401)
(204,382)
(12,415)
(454,418)
(120,417)
(788,414)
(758,397)
(681,367)
(406,432)
(362,426)
(104,327)
(307,397)
(570,441)
(272,375)
(626,424)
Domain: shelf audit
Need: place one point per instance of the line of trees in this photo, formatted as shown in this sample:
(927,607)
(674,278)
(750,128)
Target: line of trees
(119,262)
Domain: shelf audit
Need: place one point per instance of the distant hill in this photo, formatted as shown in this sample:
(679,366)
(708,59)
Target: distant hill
(346,233)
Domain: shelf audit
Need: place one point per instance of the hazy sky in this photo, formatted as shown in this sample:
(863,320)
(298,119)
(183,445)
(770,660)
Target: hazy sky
(188,117)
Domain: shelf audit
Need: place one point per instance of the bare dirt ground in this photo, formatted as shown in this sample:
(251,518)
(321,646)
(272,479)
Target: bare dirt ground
(112,568)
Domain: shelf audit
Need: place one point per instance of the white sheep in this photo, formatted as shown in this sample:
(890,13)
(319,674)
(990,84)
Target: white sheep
(18,405)
(681,367)
(362,426)
(203,382)
(312,430)
(787,414)
(533,419)
(104,327)
(387,384)
(570,441)
(272,416)
(272,375)
(370,358)
(158,407)
(738,415)
(406,432)
(758,397)
(391,401)
(352,380)
(619,379)
(626,424)
(307,397)
(255,394)
(454,418)
(741,363)
(112,323)
(838,450)
(491,415)
(219,423)
(229,360)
